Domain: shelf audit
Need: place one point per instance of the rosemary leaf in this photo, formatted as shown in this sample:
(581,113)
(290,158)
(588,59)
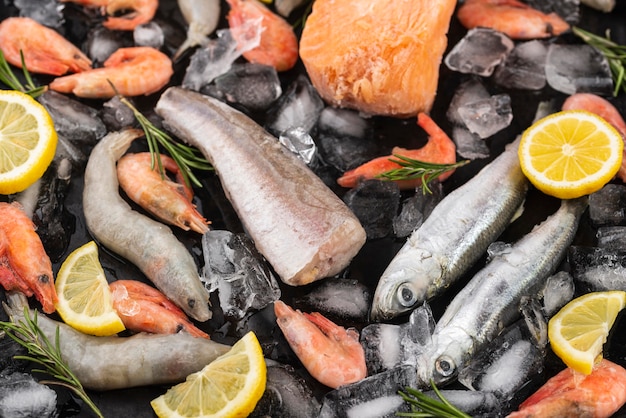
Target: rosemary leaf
(8,77)
(411,169)
(41,351)
(184,156)
(614,53)
(423,406)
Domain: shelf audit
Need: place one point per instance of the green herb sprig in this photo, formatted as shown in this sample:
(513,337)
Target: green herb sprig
(415,169)
(8,77)
(614,53)
(423,406)
(41,351)
(186,158)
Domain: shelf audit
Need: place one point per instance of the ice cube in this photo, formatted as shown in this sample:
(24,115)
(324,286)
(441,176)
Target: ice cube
(47,12)
(76,121)
(472,402)
(238,272)
(22,396)
(149,34)
(567,9)
(487,116)
(253,86)
(287,395)
(467,92)
(578,68)
(479,52)
(469,145)
(102,42)
(375,396)
(558,291)
(345,299)
(116,115)
(299,107)
(598,269)
(612,237)
(524,67)
(416,209)
(606,206)
(375,203)
(299,141)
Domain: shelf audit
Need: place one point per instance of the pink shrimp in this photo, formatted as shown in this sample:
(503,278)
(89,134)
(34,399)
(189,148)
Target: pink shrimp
(143,308)
(439,149)
(603,108)
(167,200)
(512,17)
(133,71)
(331,354)
(45,50)
(570,394)
(24,264)
(140,12)
(278,46)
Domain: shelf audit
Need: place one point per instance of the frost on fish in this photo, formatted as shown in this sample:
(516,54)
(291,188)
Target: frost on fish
(21,396)
(299,225)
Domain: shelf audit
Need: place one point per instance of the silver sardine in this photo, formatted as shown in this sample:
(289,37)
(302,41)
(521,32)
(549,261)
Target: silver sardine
(491,299)
(454,236)
(148,244)
(296,222)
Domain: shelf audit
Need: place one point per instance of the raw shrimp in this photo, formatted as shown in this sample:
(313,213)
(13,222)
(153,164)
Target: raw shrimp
(148,244)
(603,108)
(167,200)
(107,363)
(139,12)
(202,16)
(439,149)
(144,309)
(45,50)
(570,394)
(278,46)
(331,354)
(133,71)
(24,264)
(512,17)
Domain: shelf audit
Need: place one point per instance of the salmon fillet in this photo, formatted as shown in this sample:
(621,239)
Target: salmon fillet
(380,57)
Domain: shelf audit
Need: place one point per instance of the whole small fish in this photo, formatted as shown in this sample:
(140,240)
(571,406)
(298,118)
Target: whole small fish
(454,236)
(491,299)
(296,222)
(148,244)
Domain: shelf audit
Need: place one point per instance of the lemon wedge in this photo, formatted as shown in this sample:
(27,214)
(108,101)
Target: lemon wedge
(28,141)
(230,386)
(85,301)
(571,153)
(579,330)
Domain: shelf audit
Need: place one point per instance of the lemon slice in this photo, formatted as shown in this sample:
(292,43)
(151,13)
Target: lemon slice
(230,386)
(580,329)
(27,141)
(570,153)
(85,301)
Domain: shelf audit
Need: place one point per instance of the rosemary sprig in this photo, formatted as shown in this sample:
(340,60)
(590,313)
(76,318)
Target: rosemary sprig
(614,53)
(185,157)
(8,77)
(423,406)
(47,355)
(413,169)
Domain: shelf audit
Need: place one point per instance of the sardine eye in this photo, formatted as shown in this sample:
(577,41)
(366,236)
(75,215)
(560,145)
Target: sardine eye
(406,296)
(445,366)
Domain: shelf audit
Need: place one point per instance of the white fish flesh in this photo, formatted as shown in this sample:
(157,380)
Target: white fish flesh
(296,222)
(454,236)
(148,244)
(107,363)
(491,300)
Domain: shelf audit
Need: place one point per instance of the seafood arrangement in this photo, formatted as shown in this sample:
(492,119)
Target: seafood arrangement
(302,217)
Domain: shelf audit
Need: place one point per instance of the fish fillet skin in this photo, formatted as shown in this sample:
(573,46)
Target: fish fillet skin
(296,222)
(380,57)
